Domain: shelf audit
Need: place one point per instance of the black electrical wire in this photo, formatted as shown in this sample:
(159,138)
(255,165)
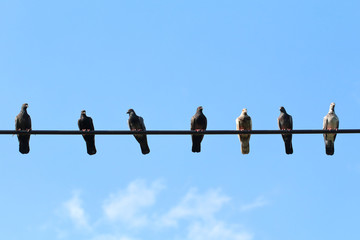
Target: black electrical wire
(175,132)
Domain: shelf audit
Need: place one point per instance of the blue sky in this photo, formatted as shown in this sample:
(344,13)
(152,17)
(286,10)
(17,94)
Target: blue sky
(164,59)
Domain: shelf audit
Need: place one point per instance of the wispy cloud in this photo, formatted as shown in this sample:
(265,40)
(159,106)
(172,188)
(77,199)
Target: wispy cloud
(127,205)
(126,213)
(198,212)
(74,210)
(257,203)
(195,205)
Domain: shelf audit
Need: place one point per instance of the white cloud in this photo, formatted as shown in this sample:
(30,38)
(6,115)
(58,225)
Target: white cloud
(198,212)
(216,230)
(195,216)
(73,208)
(195,205)
(127,205)
(258,202)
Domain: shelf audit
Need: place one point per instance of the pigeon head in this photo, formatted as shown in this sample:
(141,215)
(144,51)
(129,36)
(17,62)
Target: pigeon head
(199,109)
(244,111)
(83,112)
(24,106)
(130,111)
(282,109)
(332,107)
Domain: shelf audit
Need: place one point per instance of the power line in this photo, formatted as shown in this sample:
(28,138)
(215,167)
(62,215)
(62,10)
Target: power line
(174,132)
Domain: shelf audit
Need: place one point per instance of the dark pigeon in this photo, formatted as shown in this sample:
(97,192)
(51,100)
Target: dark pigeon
(243,122)
(85,123)
(198,123)
(285,122)
(331,121)
(23,122)
(136,123)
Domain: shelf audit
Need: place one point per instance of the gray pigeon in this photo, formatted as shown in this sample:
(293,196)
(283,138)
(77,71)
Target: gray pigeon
(243,122)
(285,122)
(136,123)
(85,123)
(331,121)
(23,122)
(198,123)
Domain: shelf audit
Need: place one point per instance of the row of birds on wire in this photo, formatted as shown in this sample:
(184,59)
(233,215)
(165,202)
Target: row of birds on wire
(198,123)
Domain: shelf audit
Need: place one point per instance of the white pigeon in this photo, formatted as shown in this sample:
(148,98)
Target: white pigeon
(331,121)
(243,122)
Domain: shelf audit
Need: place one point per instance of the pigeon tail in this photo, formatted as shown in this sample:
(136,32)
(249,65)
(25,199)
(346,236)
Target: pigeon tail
(288,147)
(142,140)
(196,147)
(24,147)
(90,147)
(329,147)
(245,147)
(144,148)
(196,143)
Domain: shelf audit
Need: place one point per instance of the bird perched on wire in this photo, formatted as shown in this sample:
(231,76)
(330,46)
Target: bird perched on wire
(85,124)
(331,121)
(285,122)
(199,124)
(243,122)
(136,123)
(23,122)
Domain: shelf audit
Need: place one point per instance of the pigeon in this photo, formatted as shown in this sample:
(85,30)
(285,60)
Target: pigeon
(331,121)
(23,122)
(85,123)
(243,122)
(136,123)
(198,123)
(285,122)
